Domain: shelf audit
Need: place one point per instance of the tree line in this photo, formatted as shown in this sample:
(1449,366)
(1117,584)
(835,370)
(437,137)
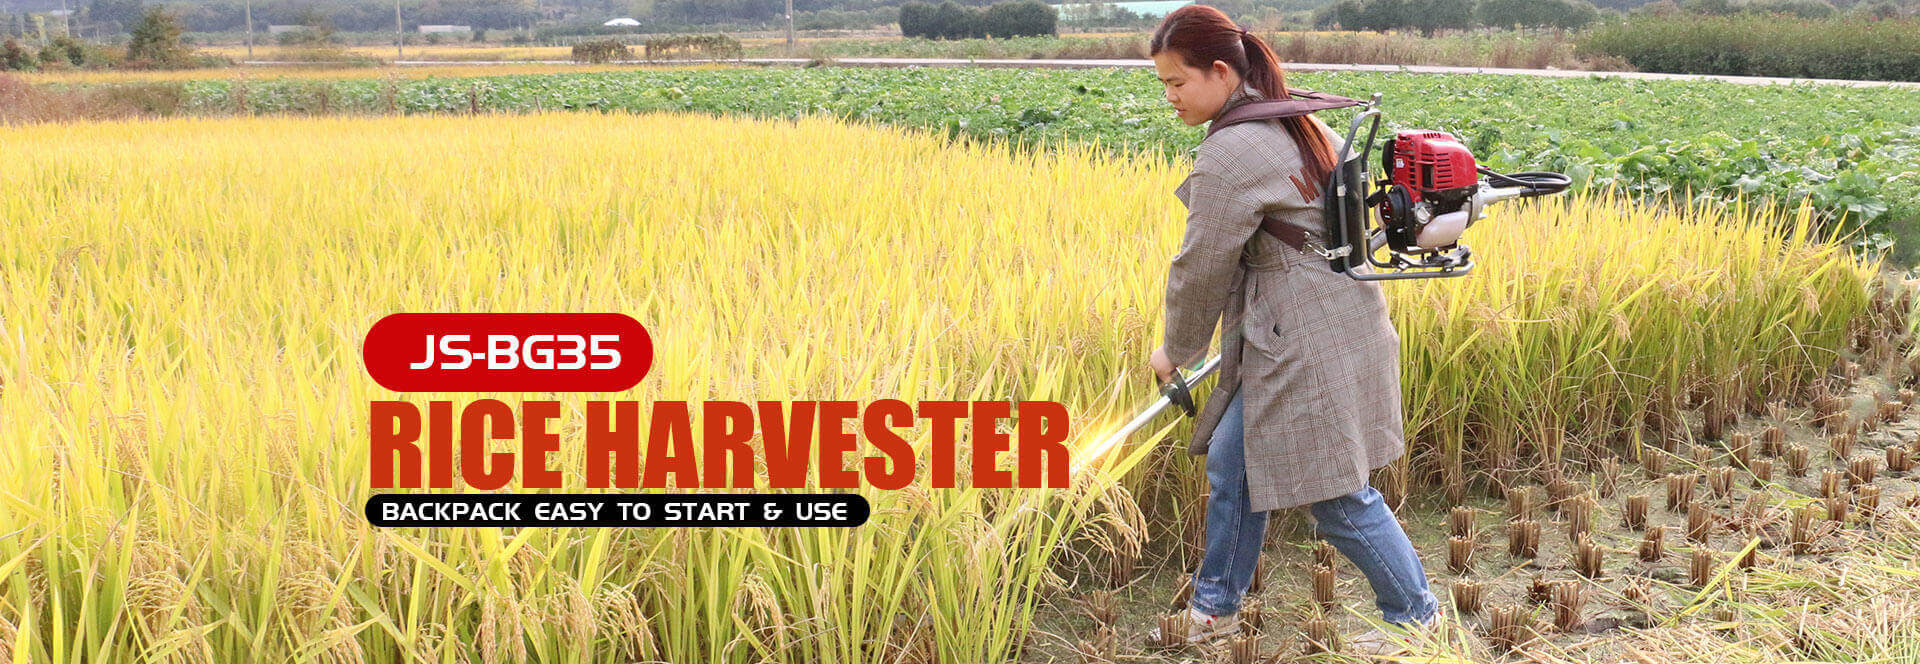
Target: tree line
(1430,16)
(950,20)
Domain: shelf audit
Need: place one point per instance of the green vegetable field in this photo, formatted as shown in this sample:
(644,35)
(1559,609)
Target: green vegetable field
(1855,152)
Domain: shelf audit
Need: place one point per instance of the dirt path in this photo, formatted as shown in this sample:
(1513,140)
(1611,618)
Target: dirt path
(1148,64)
(1410,69)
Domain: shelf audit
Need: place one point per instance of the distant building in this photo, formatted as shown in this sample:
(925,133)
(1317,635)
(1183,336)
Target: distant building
(277,29)
(622,21)
(430,29)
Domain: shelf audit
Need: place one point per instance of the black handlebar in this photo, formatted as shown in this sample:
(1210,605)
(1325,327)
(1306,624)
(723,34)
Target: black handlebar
(1538,183)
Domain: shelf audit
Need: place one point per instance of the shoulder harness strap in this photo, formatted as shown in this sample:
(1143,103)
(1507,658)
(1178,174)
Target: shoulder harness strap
(1265,109)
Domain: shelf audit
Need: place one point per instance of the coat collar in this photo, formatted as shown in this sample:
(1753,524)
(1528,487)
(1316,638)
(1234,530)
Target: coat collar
(1245,94)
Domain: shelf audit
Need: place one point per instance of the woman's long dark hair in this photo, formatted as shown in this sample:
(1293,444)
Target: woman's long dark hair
(1201,35)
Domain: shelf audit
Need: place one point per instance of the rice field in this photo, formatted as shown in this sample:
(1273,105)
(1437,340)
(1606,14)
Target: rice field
(183,303)
(327,72)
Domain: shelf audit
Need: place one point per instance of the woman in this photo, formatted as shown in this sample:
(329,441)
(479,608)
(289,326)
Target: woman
(1308,399)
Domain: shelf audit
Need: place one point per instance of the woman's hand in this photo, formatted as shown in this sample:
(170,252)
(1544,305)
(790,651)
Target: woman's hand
(1162,367)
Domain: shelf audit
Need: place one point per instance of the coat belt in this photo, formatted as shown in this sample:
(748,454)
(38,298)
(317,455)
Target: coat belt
(1292,236)
(1271,261)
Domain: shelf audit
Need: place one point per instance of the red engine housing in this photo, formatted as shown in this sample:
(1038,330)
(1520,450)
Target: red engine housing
(1431,161)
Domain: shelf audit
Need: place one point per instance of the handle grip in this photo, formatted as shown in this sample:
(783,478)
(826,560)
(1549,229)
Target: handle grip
(1176,392)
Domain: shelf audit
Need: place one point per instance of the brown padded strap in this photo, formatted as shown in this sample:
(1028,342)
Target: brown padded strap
(1263,109)
(1293,235)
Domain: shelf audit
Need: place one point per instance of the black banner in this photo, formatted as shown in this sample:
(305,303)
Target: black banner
(523,510)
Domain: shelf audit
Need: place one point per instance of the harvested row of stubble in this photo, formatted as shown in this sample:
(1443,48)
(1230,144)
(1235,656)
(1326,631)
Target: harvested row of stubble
(1591,323)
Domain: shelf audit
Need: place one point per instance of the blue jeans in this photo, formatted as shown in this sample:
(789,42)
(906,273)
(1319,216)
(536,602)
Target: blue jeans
(1358,524)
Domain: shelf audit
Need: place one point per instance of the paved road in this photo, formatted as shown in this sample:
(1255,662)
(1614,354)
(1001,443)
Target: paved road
(1135,63)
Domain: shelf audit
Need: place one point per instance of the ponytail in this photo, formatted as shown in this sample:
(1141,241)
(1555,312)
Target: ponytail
(1265,75)
(1201,34)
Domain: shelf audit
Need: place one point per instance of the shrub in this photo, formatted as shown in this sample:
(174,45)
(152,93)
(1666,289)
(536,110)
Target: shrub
(1427,16)
(1764,45)
(1027,18)
(1800,8)
(1710,7)
(141,98)
(156,40)
(24,102)
(950,20)
(63,51)
(1878,10)
(1658,8)
(916,19)
(14,57)
(316,30)
(1565,14)
(1435,15)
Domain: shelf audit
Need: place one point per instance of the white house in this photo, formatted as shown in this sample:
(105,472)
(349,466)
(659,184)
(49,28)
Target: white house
(277,29)
(622,21)
(430,29)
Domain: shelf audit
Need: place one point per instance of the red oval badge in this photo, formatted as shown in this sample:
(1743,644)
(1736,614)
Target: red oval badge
(516,352)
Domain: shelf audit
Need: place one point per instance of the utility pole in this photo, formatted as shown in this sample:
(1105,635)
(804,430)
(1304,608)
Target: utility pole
(249,29)
(789,28)
(399,33)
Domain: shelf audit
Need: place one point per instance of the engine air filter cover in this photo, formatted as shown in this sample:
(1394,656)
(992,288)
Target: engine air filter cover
(1431,161)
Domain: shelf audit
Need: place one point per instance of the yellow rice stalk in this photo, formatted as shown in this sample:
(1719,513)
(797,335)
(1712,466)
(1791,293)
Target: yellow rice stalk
(181,304)
(182,314)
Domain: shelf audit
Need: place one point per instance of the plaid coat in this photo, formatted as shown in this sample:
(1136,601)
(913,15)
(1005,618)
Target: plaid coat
(1314,349)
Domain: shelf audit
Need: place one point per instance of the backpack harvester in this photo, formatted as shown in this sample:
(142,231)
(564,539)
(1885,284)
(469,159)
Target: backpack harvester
(1433,191)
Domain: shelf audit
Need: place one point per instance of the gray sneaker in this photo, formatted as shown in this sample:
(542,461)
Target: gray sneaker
(1391,640)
